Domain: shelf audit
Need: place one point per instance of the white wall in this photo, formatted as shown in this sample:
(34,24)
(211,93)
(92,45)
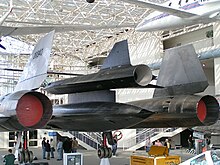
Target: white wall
(128,138)
(215,139)
(146,51)
(175,140)
(4,140)
(217,76)
(216,30)
(186,38)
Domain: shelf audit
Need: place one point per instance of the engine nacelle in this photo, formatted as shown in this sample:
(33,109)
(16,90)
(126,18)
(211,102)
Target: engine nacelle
(179,111)
(206,107)
(114,78)
(30,109)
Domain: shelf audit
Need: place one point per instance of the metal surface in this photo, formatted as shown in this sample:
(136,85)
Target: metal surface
(96,116)
(179,111)
(116,72)
(121,77)
(118,56)
(152,113)
(181,73)
(209,129)
(24,108)
(104,116)
(92,96)
(35,71)
(177,14)
(10,104)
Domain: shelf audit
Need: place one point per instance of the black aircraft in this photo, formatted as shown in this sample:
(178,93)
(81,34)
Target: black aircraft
(92,105)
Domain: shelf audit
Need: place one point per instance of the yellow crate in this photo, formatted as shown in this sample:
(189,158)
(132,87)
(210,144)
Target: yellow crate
(157,156)
(161,160)
(169,160)
(141,160)
(158,151)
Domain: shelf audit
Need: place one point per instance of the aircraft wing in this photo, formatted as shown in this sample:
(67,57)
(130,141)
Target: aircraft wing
(209,129)
(48,72)
(13,31)
(92,107)
(97,111)
(165,9)
(151,113)
(96,116)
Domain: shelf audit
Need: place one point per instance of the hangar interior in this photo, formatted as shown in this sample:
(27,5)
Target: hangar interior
(82,52)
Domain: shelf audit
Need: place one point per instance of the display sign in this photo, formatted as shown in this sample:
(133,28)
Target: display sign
(72,159)
(52,133)
(198,135)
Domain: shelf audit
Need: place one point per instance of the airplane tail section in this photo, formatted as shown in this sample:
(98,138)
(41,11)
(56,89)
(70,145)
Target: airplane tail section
(118,56)
(181,73)
(35,70)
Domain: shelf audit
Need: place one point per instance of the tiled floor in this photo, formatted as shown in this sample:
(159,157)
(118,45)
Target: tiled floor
(90,157)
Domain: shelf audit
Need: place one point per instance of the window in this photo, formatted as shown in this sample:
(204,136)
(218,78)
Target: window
(11,135)
(33,138)
(33,134)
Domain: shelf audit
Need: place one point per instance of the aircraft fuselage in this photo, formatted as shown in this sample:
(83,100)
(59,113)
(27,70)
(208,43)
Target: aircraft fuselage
(204,13)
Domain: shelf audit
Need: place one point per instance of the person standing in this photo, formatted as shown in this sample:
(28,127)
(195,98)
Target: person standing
(114,146)
(47,148)
(10,158)
(148,144)
(52,148)
(158,143)
(167,144)
(43,147)
(59,150)
(67,146)
(190,142)
(74,145)
(207,142)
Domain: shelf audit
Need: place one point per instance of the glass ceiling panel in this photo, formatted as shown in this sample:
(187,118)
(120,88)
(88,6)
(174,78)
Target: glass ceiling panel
(74,45)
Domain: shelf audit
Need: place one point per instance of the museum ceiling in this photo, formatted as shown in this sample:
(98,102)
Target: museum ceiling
(102,13)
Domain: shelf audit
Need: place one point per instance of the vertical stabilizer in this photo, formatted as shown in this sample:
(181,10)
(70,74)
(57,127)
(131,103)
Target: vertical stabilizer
(181,73)
(118,56)
(35,70)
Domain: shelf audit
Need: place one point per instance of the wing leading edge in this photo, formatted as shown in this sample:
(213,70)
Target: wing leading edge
(165,9)
(13,31)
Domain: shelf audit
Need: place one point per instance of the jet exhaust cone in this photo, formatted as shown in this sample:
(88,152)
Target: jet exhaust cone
(29,110)
(201,111)
(33,110)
